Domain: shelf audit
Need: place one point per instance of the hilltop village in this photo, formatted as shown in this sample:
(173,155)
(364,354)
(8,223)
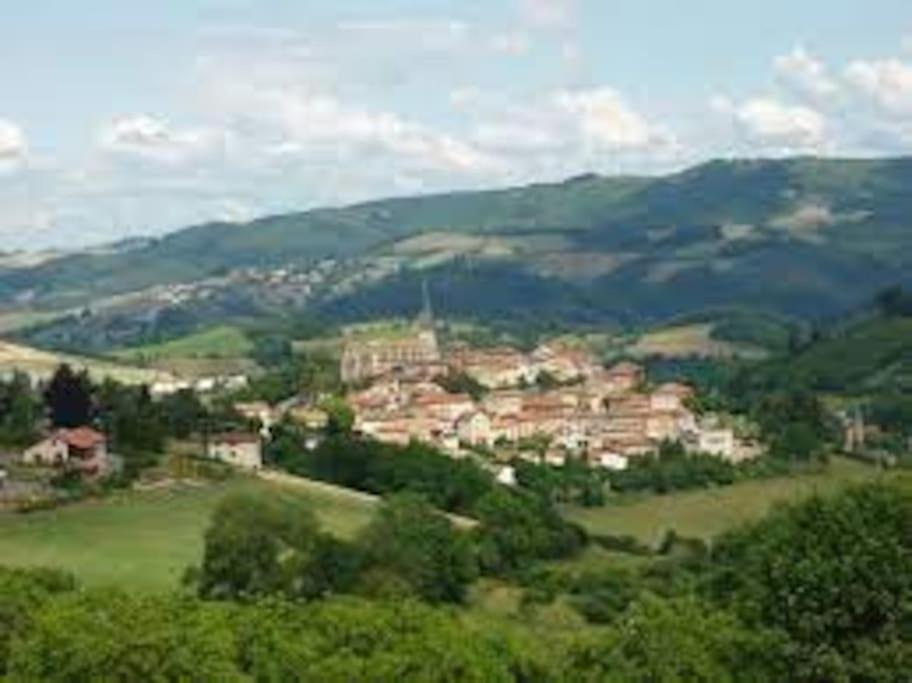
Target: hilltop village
(554,403)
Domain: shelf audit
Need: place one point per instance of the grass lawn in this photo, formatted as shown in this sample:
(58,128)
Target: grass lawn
(145,540)
(707,513)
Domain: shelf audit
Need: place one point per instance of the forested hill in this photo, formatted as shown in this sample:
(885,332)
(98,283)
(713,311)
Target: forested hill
(798,236)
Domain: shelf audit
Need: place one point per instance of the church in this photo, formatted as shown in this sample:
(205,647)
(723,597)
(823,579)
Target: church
(413,347)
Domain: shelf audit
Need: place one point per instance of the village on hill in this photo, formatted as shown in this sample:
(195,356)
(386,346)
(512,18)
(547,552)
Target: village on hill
(554,403)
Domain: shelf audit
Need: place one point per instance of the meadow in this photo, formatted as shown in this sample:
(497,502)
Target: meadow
(145,540)
(707,513)
(223,341)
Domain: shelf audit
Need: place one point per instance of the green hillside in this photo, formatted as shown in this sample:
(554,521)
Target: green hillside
(223,341)
(801,237)
(870,355)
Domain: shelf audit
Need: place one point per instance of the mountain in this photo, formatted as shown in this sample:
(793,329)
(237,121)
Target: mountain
(801,237)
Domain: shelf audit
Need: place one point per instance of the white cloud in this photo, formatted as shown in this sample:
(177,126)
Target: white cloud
(606,119)
(13,146)
(315,123)
(888,82)
(806,74)
(151,138)
(774,125)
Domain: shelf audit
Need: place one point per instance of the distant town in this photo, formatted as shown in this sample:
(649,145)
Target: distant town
(549,405)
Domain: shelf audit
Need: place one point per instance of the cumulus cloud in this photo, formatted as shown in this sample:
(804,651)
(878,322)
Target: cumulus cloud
(316,123)
(154,139)
(774,125)
(806,74)
(887,82)
(605,119)
(13,145)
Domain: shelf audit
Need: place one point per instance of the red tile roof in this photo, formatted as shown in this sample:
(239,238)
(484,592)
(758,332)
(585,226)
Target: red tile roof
(82,438)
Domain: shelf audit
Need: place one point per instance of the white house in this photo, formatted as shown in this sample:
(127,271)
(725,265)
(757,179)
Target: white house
(475,429)
(82,449)
(238,449)
(506,475)
(717,441)
(612,461)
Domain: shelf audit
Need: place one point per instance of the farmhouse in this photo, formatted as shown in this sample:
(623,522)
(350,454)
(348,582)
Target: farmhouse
(237,448)
(82,449)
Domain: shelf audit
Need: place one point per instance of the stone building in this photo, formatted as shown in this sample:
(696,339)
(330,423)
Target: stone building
(366,356)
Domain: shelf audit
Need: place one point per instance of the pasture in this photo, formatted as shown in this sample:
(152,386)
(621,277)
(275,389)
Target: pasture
(709,512)
(223,341)
(145,540)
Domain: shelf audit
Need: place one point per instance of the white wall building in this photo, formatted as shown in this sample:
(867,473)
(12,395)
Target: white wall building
(237,449)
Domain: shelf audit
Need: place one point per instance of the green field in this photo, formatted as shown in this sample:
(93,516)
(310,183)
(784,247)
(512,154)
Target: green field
(707,513)
(145,540)
(224,341)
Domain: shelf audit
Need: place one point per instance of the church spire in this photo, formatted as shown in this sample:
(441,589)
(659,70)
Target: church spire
(426,317)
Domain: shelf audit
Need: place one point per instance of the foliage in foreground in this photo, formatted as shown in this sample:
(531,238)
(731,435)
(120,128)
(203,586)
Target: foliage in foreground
(818,592)
(103,636)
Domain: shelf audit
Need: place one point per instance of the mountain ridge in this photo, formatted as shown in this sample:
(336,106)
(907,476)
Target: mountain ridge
(801,236)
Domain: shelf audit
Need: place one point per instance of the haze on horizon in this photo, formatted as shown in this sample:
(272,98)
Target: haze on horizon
(126,119)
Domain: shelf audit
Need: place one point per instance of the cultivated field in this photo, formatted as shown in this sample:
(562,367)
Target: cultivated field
(690,340)
(40,363)
(707,513)
(146,540)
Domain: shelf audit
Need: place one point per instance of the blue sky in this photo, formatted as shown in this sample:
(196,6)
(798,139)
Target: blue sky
(120,119)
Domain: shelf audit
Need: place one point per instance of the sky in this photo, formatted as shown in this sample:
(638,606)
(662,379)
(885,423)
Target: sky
(123,119)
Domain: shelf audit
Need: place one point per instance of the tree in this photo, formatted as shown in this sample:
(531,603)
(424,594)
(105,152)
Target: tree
(677,641)
(69,398)
(417,545)
(22,593)
(341,416)
(182,413)
(518,528)
(20,410)
(345,640)
(462,383)
(833,574)
(259,546)
(110,636)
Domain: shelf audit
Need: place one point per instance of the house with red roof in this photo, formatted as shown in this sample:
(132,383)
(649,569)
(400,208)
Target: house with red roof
(82,449)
